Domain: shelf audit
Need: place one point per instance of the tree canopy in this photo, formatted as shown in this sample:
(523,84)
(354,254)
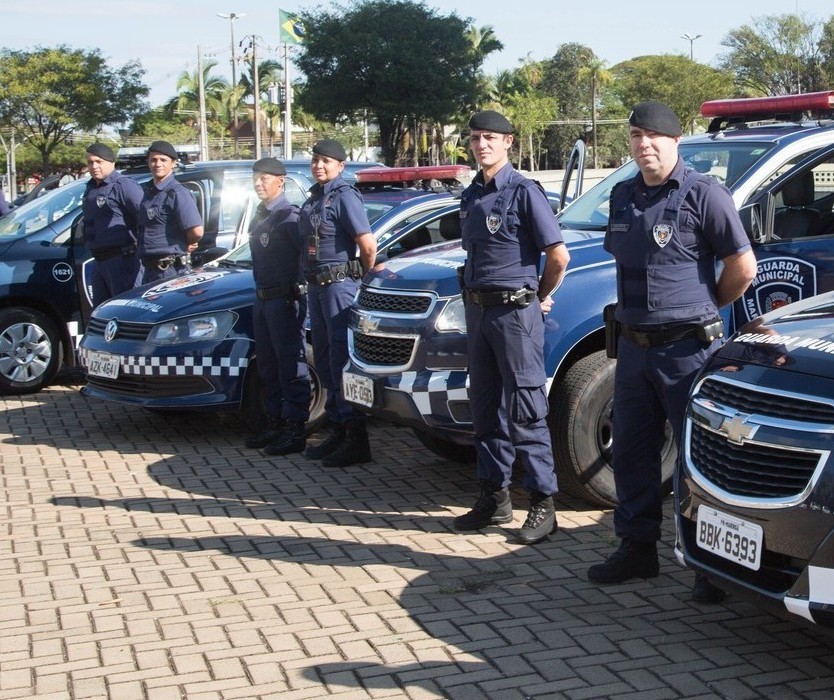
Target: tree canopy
(400,62)
(49,93)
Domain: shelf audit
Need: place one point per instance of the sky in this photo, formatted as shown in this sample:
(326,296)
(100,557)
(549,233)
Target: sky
(164,35)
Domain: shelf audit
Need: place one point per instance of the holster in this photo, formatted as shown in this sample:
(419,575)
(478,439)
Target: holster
(612,331)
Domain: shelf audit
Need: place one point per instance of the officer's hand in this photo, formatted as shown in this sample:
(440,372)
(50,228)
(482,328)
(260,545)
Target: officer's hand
(546,304)
(191,247)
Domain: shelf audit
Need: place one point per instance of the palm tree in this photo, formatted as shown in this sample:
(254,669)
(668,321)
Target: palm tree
(187,98)
(270,72)
(483,40)
(595,71)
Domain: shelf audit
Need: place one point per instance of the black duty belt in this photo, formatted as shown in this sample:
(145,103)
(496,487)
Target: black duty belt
(163,262)
(291,290)
(496,297)
(102,254)
(335,273)
(649,339)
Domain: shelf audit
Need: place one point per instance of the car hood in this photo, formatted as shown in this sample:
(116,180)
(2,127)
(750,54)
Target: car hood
(434,267)
(206,289)
(798,338)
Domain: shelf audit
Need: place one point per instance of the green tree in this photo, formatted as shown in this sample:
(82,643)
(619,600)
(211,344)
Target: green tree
(594,72)
(777,55)
(187,99)
(49,93)
(677,81)
(400,61)
(827,52)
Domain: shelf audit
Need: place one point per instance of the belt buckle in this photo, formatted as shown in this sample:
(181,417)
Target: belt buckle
(339,276)
(163,263)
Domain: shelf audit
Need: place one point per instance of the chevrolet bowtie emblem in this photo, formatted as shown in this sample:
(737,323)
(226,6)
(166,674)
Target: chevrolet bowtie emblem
(368,324)
(737,429)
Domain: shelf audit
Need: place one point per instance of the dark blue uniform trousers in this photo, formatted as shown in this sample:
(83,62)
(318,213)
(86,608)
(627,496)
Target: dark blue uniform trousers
(329,314)
(650,386)
(508,396)
(282,363)
(154,274)
(114,276)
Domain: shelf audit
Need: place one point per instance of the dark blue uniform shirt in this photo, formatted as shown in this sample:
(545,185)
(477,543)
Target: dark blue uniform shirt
(336,211)
(168,209)
(276,244)
(111,211)
(505,226)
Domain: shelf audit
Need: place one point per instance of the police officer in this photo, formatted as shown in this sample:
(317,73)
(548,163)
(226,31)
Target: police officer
(279,312)
(111,211)
(170,226)
(506,224)
(666,228)
(340,248)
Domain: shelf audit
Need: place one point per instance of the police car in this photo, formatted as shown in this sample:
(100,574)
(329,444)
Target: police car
(407,339)
(188,343)
(45,266)
(755,498)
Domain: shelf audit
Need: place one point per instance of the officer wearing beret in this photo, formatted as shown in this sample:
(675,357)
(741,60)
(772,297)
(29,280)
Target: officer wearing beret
(111,213)
(506,225)
(340,248)
(667,227)
(170,226)
(279,312)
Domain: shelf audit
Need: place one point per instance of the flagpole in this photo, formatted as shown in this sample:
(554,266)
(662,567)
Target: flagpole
(287,105)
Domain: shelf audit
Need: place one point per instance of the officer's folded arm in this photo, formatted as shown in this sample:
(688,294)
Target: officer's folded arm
(739,271)
(556,259)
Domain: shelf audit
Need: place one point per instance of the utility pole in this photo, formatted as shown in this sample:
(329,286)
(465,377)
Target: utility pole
(287,105)
(691,39)
(232,16)
(202,100)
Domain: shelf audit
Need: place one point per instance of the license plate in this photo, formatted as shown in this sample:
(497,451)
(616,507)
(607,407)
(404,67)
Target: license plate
(729,537)
(358,389)
(102,364)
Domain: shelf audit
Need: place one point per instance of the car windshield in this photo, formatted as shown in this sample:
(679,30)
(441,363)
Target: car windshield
(726,162)
(43,211)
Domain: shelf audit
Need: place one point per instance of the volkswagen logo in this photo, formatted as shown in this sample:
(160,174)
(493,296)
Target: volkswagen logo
(110,330)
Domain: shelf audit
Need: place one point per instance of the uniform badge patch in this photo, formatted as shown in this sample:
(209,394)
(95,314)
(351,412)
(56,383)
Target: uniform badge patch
(662,234)
(101,200)
(315,220)
(264,239)
(152,211)
(493,222)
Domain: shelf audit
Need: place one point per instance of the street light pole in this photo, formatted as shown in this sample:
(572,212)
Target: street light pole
(691,40)
(232,16)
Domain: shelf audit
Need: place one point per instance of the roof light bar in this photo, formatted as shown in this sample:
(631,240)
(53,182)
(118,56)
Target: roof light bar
(424,172)
(763,106)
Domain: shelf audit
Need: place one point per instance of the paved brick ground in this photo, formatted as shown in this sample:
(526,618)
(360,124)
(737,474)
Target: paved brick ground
(149,556)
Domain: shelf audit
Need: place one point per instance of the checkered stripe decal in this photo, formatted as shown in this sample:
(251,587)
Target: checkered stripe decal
(431,391)
(812,596)
(178,366)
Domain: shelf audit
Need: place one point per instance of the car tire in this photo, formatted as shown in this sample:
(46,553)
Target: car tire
(447,449)
(30,351)
(252,405)
(581,431)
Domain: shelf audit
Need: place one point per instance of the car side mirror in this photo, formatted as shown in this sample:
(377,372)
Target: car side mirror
(751,219)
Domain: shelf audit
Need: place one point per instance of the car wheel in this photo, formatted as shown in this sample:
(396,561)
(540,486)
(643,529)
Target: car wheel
(447,449)
(30,351)
(581,429)
(253,408)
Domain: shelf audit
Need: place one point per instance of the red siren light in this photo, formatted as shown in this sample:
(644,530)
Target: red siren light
(765,106)
(423,172)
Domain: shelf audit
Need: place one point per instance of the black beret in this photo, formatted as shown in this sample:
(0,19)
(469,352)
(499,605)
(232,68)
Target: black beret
(330,149)
(273,166)
(102,151)
(491,121)
(165,148)
(655,116)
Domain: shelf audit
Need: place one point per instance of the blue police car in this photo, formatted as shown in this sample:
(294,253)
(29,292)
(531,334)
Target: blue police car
(188,343)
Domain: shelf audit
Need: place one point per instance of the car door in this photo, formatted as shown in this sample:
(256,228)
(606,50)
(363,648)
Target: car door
(792,225)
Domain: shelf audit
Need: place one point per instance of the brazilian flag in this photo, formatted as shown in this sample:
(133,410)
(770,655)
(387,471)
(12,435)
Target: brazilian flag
(292,31)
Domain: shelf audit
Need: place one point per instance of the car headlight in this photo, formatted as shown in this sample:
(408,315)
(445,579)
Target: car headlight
(453,318)
(191,329)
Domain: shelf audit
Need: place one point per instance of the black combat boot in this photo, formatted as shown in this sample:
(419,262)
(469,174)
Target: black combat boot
(267,435)
(329,444)
(632,560)
(493,507)
(291,439)
(355,448)
(541,519)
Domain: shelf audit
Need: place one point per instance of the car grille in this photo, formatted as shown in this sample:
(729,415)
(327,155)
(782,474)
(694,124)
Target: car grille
(152,386)
(372,300)
(748,400)
(751,470)
(125,330)
(383,350)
